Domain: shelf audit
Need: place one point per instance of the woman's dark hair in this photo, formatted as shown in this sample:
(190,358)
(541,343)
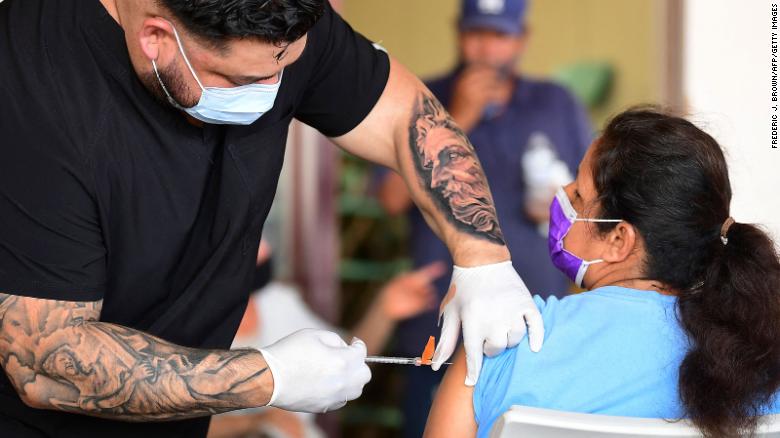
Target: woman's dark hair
(669,179)
(274,21)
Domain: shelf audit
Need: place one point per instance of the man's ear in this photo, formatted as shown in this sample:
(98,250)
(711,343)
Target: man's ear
(620,243)
(157,40)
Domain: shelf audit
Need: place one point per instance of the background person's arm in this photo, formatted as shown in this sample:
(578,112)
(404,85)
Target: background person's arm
(393,194)
(452,413)
(59,356)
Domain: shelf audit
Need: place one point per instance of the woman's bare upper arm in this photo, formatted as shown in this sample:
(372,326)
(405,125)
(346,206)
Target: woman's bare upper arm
(452,414)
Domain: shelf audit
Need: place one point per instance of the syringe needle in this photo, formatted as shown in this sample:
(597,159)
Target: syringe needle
(416,361)
(391,360)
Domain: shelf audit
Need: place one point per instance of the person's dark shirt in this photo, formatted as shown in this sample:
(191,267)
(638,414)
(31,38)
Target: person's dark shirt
(107,194)
(536,107)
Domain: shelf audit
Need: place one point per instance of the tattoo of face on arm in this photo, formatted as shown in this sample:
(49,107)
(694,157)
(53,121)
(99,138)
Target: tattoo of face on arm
(449,170)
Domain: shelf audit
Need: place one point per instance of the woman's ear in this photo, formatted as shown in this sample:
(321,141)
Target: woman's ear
(620,243)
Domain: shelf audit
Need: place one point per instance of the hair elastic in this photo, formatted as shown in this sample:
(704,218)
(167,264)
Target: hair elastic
(724,230)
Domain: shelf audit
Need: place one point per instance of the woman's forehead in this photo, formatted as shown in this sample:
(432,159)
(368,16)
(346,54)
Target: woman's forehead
(585,170)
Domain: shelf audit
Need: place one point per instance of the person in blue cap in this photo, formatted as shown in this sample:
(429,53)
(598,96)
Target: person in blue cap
(530,136)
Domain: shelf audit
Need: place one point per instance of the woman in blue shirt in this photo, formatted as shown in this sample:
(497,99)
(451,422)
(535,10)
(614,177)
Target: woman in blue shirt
(682,317)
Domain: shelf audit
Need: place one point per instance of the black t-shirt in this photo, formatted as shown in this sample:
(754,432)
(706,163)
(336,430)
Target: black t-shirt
(107,194)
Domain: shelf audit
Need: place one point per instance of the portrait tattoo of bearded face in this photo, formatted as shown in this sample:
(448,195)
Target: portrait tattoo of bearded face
(450,171)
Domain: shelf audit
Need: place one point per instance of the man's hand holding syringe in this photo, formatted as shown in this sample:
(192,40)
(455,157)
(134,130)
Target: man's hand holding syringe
(326,371)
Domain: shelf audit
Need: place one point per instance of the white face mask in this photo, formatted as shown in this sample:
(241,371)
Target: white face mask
(226,106)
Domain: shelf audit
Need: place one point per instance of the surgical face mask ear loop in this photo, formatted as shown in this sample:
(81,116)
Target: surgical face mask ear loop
(171,100)
(562,218)
(587,263)
(186,59)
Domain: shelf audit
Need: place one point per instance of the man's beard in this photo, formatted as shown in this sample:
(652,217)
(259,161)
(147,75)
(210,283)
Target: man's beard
(171,76)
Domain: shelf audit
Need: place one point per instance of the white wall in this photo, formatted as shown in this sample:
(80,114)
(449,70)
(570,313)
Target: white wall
(727,74)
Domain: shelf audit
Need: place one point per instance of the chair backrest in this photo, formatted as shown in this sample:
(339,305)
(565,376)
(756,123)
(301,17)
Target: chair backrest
(524,422)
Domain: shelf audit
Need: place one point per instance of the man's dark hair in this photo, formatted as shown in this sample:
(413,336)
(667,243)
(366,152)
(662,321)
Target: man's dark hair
(274,21)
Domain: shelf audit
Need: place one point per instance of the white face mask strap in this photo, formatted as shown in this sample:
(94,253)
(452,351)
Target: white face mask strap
(592,262)
(571,213)
(583,269)
(162,84)
(184,55)
(581,275)
(598,220)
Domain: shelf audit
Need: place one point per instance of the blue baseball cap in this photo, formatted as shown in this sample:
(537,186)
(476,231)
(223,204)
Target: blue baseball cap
(505,16)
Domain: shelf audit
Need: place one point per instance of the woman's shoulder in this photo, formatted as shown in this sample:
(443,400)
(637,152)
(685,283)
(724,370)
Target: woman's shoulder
(607,335)
(607,296)
(602,311)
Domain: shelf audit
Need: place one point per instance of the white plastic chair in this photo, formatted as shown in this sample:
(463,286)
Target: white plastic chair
(527,422)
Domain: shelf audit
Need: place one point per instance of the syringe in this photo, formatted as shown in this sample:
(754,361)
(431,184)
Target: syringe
(416,361)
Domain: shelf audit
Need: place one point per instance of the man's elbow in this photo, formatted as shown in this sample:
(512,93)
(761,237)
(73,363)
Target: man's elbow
(23,381)
(33,398)
(36,392)
(35,402)
(46,399)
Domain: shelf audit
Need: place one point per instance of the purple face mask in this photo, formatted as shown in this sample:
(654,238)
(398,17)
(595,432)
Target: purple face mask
(562,217)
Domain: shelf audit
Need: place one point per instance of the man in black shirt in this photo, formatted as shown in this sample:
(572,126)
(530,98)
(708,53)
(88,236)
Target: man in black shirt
(140,147)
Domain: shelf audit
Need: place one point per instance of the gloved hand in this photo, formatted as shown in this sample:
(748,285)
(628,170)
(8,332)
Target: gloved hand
(316,371)
(494,306)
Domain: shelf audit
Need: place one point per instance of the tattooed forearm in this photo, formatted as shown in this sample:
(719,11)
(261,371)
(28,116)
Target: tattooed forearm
(448,168)
(59,356)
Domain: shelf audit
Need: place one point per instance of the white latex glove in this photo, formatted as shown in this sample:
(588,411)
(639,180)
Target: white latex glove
(316,371)
(494,306)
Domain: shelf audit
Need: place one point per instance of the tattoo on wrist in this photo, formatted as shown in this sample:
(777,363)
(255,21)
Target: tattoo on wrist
(449,170)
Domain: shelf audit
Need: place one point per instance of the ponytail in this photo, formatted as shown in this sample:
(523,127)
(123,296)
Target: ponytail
(669,179)
(732,319)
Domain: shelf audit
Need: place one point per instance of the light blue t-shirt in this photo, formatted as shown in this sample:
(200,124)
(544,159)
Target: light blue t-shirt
(611,351)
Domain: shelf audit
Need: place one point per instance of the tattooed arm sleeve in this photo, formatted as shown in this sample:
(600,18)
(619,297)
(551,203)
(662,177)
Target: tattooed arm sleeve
(447,167)
(59,356)
(410,131)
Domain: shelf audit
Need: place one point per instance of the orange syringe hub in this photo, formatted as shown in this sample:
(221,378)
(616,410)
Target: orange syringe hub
(427,354)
